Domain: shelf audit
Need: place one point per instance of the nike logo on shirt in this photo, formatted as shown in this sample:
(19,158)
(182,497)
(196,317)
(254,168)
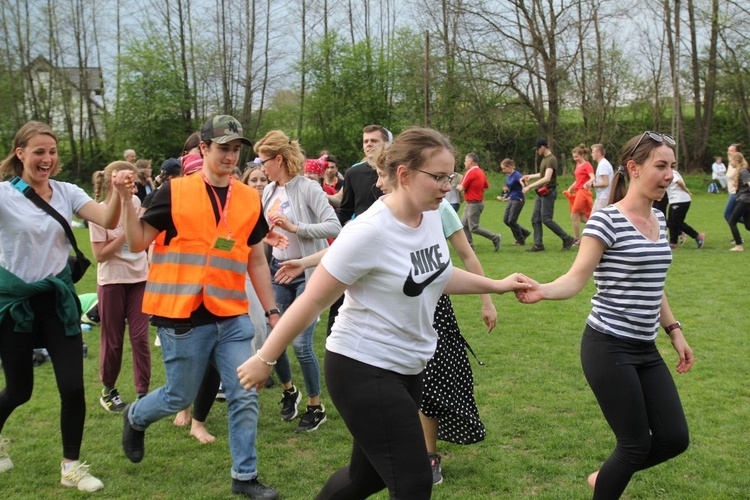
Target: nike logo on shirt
(425,260)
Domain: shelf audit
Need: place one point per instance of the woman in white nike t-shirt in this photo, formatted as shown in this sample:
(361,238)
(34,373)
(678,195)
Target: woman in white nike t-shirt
(383,335)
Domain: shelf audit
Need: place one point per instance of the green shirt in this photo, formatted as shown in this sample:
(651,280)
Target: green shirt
(549,161)
(15,295)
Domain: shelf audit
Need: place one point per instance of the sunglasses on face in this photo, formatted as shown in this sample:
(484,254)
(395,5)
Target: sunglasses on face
(654,136)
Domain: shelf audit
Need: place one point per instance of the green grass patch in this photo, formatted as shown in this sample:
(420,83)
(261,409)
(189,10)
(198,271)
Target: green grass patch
(545,432)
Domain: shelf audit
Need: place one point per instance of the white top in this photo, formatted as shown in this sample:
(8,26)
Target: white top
(604,168)
(394,276)
(33,245)
(731,184)
(279,204)
(675,192)
(630,276)
(124,266)
(718,171)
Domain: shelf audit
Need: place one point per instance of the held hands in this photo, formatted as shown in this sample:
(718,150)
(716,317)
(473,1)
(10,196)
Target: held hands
(531,294)
(289,270)
(253,373)
(124,184)
(684,351)
(514,283)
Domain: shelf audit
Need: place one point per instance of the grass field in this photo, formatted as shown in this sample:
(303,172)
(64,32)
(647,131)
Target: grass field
(545,430)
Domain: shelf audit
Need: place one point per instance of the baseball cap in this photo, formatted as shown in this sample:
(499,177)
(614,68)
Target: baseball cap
(541,142)
(222,129)
(171,167)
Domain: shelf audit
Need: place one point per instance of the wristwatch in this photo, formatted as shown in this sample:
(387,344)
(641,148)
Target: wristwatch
(271,312)
(673,326)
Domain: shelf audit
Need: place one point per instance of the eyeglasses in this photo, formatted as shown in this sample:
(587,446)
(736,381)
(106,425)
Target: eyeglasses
(263,162)
(656,137)
(442,180)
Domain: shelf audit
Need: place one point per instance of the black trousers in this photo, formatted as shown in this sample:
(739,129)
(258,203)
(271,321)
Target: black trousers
(676,222)
(380,409)
(638,397)
(66,354)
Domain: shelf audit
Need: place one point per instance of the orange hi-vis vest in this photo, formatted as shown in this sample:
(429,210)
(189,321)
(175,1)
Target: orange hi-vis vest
(191,270)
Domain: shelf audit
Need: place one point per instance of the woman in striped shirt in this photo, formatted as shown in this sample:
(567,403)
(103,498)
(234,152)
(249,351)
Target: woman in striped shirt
(625,247)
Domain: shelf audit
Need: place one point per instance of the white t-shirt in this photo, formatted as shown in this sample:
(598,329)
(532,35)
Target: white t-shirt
(33,245)
(675,192)
(604,168)
(124,266)
(718,171)
(394,276)
(279,204)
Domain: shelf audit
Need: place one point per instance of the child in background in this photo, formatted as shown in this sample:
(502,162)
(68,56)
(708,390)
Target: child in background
(121,282)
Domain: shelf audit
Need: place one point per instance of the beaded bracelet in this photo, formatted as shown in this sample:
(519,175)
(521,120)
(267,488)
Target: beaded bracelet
(266,362)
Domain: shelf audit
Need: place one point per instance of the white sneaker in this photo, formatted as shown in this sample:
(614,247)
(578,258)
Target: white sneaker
(157,342)
(78,475)
(5,461)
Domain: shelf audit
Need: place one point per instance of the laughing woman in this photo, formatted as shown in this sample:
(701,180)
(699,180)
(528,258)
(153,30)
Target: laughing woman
(38,302)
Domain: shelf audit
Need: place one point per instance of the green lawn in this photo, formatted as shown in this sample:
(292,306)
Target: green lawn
(545,433)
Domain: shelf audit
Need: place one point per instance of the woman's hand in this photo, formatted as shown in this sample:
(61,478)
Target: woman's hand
(276,240)
(124,183)
(253,373)
(284,223)
(489,316)
(684,351)
(289,270)
(530,295)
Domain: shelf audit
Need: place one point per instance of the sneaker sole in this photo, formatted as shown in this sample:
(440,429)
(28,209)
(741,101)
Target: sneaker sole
(301,430)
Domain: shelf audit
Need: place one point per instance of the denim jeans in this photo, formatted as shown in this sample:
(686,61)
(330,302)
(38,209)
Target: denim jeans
(303,343)
(226,345)
(544,213)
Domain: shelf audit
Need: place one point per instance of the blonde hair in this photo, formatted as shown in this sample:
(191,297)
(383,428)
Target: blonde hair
(276,143)
(248,172)
(739,161)
(102,179)
(12,166)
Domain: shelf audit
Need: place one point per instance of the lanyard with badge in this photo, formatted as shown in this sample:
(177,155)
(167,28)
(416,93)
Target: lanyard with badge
(227,243)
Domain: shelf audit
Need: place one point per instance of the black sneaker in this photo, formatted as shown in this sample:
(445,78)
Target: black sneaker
(254,489)
(568,244)
(132,439)
(535,249)
(289,401)
(311,419)
(437,472)
(112,401)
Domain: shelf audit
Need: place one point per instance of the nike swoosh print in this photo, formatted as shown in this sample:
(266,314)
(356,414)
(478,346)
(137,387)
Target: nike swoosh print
(414,289)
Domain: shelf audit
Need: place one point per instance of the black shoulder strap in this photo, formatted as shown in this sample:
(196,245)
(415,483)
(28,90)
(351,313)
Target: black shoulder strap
(32,195)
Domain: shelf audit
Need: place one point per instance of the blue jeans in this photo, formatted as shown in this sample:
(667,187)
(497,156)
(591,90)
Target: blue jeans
(303,343)
(226,345)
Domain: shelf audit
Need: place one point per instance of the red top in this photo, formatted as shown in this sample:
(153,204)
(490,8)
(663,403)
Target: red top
(582,174)
(475,183)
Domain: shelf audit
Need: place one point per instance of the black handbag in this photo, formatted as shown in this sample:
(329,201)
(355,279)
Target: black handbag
(78,263)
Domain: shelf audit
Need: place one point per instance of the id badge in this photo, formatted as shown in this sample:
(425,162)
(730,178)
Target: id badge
(224,244)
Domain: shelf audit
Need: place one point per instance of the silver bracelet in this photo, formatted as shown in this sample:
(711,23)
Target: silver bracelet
(266,362)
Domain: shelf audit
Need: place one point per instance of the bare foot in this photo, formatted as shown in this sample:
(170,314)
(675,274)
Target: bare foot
(592,479)
(199,432)
(182,418)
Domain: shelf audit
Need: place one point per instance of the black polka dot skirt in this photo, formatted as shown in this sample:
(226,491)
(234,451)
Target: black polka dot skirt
(448,393)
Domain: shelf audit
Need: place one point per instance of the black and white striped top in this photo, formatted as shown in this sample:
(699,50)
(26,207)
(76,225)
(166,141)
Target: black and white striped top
(630,276)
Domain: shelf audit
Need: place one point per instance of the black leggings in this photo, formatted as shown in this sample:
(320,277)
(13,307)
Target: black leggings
(66,354)
(638,397)
(379,407)
(676,222)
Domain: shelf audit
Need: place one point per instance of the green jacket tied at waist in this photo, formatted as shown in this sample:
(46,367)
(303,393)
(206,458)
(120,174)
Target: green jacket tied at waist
(15,294)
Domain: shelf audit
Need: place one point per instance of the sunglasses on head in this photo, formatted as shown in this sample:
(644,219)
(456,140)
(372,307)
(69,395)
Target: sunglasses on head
(656,137)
